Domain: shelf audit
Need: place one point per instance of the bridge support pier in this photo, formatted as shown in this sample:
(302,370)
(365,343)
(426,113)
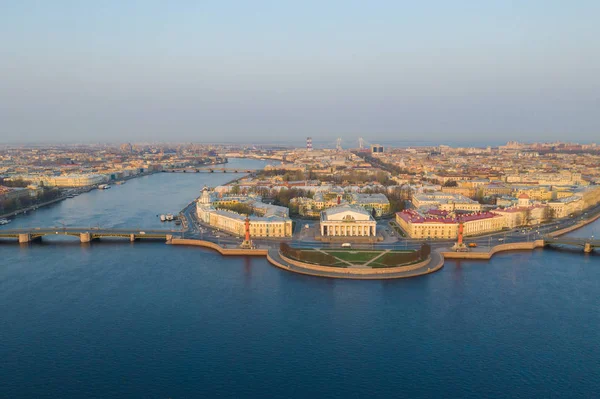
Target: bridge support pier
(24,238)
(169,238)
(132,238)
(587,248)
(85,237)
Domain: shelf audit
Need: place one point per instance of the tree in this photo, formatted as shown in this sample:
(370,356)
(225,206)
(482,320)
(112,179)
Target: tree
(373,213)
(527,217)
(425,250)
(451,183)
(549,214)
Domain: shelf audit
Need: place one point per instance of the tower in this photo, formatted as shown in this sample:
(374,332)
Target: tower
(361,143)
(247,243)
(338,144)
(205,197)
(247,227)
(309,144)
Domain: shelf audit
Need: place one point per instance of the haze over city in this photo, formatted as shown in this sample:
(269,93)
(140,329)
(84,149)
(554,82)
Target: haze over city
(276,71)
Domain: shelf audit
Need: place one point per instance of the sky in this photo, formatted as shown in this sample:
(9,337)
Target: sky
(278,71)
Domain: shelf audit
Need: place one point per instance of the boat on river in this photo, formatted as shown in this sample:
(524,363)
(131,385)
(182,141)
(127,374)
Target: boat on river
(104,186)
(4,221)
(163,218)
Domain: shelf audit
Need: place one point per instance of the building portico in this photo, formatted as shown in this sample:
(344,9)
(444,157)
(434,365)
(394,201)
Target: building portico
(347,221)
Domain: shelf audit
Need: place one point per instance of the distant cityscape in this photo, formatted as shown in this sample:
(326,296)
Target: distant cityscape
(427,191)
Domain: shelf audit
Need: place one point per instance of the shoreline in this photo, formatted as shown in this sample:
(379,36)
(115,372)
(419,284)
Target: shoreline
(33,207)
(433,264)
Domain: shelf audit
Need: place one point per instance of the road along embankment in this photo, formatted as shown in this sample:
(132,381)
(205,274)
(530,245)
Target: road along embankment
(574,227)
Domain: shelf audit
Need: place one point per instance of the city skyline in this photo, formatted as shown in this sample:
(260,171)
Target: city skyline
(263,72)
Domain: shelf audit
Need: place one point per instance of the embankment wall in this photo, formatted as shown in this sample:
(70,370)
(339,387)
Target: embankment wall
(517,246)
(218,248)
(354,270)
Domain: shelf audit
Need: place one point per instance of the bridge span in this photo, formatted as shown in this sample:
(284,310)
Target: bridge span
(87,234)
(209,170)
(588,244)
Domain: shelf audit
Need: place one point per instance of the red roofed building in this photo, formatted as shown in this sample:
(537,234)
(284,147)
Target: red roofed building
(444,225)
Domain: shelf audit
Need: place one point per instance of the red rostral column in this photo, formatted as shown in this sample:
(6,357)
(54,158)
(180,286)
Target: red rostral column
(247,228)
(460,233)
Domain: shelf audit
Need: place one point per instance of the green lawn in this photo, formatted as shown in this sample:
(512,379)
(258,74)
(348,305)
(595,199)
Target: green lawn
(339,257)
(392,259)
(355,257)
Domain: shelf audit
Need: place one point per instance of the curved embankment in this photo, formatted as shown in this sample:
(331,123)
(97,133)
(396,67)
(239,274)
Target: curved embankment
(432,264)
(517,246)
(574,227)
(218,248)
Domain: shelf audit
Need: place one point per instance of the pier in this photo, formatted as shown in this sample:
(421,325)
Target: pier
(86,234)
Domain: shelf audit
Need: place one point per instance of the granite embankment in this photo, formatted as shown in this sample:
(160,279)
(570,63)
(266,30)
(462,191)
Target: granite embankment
(517,246)
(218,248)
(575,226)
(434,263)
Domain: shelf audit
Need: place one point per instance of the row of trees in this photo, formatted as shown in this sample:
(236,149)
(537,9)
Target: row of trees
(315,257)
(240,208)
(378,163)
(13,183)
(287,175)
(8,205)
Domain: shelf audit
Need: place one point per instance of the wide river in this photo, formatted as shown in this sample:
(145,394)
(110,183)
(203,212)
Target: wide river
(116,319)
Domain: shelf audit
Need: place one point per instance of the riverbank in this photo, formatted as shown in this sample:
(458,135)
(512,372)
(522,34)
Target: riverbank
(432,264)
(33,207)
(517,246)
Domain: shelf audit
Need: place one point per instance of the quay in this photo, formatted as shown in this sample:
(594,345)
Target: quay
(86,234)
(430,265)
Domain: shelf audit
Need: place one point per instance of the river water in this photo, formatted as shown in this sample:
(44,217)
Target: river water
(116,319)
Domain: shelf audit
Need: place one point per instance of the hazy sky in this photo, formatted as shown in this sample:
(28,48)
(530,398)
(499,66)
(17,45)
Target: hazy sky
(281,70)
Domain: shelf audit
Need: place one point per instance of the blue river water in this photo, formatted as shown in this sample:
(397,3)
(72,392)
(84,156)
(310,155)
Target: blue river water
(126,320)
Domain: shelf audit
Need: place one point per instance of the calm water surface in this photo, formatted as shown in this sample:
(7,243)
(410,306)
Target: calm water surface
(115,319)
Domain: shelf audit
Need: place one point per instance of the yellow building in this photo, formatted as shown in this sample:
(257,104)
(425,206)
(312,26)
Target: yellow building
(445,225)
(347,221)
(269,220)
(446,201)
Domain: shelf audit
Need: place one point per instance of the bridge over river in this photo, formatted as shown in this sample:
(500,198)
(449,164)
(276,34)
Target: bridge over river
(588,244)
(210,170)
(86,234)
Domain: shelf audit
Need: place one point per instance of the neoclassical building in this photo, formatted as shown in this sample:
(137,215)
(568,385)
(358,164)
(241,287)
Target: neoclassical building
(267,220)
(347,221)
